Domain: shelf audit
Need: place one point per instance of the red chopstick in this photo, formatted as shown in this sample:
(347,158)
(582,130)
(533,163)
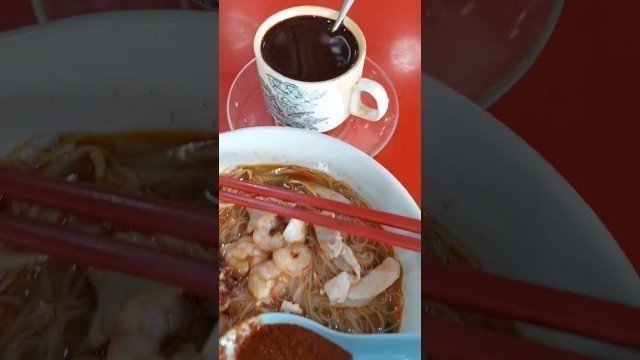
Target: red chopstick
(389,238)
(579,314)
(447,340)
(197,277)
(379,217)
(142,213)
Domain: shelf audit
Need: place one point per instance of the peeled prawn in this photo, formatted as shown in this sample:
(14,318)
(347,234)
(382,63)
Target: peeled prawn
(262,279)
(293,260)
(113,290)
(254,216)
(143,323)
(264,236)
(244,254)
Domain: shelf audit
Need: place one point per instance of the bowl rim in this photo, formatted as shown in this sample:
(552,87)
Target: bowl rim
(350,150)
(130,17)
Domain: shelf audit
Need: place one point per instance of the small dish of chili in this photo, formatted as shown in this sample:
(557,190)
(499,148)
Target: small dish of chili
(279,336)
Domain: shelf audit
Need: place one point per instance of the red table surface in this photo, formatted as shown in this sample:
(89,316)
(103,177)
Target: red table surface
(578,107)
(393,42)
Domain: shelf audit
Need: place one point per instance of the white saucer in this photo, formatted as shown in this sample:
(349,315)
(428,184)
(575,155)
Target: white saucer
(246,108)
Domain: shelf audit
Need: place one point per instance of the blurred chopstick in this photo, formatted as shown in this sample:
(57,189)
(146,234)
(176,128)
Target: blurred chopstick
(448,340)
(518,300)
(363,213)
(140,213)
(368,232)
(143,213)
(196,277)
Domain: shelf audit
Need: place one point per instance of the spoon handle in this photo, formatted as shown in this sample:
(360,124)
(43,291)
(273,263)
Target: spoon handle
(346,5)
(387,347)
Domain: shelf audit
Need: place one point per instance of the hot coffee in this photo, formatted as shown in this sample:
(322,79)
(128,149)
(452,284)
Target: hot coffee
(311,77)
(304,48)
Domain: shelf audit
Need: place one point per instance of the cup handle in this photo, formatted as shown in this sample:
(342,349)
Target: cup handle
(357,108)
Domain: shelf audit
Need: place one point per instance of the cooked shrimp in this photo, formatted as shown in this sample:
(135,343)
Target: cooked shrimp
(280,288)
(254,216)
(264,234)
(113,291)
(293,260)
(143,323)
(244,254)
(262,279)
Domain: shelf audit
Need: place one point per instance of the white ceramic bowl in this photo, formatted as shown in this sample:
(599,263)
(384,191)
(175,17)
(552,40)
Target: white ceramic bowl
(123,71)
(481,48)
(110,72)
(509,207)
(279,145)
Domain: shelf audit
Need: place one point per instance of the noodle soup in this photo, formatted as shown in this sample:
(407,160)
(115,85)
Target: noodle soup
(55,310)
(440,246)
(322,280)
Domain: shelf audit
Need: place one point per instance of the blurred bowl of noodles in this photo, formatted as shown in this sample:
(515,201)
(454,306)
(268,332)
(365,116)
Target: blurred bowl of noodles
(104,109)
(319,165)
(496,205)
(96,77)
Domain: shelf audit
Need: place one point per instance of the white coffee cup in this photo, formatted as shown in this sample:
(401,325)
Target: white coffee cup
(320,105)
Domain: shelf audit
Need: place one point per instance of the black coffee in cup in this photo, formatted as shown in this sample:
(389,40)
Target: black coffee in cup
(304,48)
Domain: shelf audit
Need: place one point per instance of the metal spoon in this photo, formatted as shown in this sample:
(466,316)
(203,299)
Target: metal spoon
(343,12)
